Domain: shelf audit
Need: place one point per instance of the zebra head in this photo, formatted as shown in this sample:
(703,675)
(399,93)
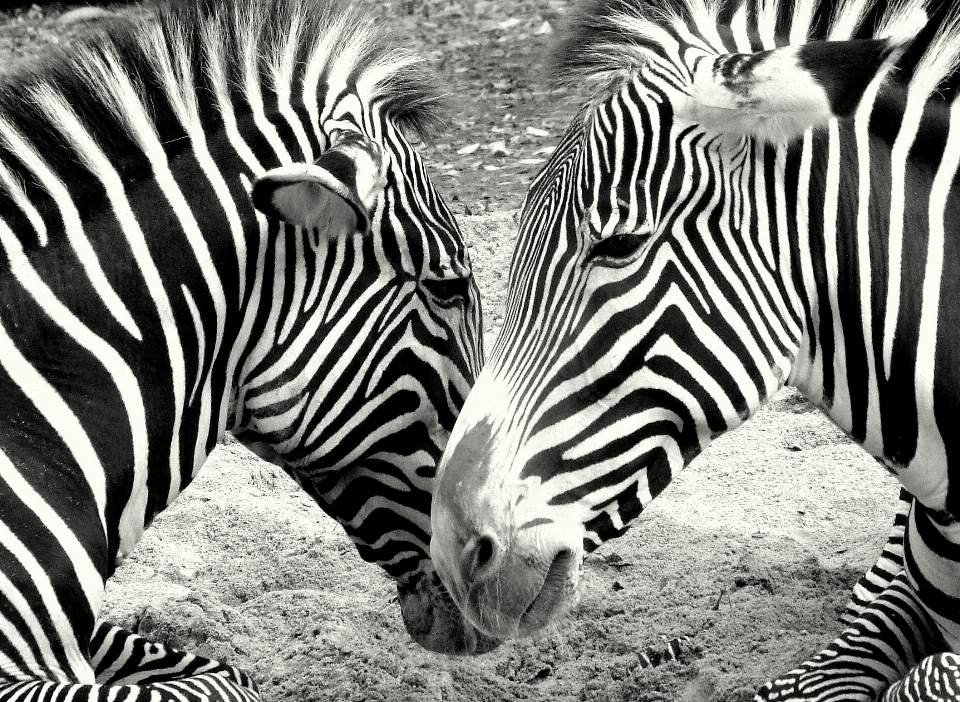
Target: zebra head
(356,383)
(655,300)
(357,393)
(326,300)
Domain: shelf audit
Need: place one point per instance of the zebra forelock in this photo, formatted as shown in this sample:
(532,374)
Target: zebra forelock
(609,40)
(175,63)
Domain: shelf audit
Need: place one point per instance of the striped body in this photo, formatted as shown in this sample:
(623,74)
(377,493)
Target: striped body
(146,308)
(750,199)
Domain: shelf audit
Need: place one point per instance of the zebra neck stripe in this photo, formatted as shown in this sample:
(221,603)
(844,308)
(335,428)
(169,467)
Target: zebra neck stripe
(112,362)
(72,224)
(906,136)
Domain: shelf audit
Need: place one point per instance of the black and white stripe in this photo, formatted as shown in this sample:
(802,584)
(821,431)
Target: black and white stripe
(888,566)
(146,308)
(758,193)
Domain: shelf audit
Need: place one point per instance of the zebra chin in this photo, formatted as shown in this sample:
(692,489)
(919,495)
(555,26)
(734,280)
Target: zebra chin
(434,621)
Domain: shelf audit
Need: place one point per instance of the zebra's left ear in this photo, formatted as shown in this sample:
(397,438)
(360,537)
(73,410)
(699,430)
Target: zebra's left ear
(776,95)
(335,194)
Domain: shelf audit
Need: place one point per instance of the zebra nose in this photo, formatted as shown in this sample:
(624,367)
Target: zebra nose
(481,558)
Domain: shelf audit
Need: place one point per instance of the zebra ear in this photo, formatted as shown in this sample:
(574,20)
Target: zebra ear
(776,95)
(335,194)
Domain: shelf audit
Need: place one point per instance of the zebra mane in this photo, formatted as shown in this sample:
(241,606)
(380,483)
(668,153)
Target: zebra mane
(607,40)
(194,58)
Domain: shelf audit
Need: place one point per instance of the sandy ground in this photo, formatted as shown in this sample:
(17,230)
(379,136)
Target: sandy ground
(781,517)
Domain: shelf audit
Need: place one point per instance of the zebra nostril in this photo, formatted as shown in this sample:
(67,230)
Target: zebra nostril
(484,551)
(481,557)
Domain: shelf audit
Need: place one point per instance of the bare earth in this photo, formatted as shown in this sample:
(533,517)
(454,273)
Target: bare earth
(751,552)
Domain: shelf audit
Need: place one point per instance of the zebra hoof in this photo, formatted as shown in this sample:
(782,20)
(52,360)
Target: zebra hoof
(434,621)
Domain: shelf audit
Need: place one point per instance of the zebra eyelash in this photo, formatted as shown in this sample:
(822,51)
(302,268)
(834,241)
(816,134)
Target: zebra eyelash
(447,293)
(620,249)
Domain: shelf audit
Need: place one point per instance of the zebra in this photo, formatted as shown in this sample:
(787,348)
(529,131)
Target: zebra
(888,566)
(214,220)
(757,193)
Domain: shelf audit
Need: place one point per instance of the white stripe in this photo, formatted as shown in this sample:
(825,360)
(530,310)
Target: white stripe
(931,452)
(14,188)
(840,411)
(72,224)
(201,341)
(873,440)
(909,125)
(298,276)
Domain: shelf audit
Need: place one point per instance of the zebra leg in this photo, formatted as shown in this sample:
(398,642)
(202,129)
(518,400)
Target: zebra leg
(120,657)
(891,636)
(936,679)
(208,687)
(127,667)
(132,669)
(887,567)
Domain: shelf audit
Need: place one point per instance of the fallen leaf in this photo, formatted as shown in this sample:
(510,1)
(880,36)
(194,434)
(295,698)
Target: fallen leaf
(467,150)
(537,132)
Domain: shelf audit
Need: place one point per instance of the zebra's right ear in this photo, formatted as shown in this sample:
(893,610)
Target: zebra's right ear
(335,194)
(776,95)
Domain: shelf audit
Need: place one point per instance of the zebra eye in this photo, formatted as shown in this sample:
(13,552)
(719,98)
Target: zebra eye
(448,291)
(619,248)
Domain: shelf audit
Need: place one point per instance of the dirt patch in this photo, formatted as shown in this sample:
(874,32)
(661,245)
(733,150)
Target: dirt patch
(751,553)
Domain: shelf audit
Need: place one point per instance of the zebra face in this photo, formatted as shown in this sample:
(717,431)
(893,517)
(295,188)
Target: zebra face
(587,408)
(370,356)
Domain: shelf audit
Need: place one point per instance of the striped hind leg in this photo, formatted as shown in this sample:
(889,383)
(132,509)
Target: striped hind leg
(892,635)
(209,687)
(120,657)
(888,566)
